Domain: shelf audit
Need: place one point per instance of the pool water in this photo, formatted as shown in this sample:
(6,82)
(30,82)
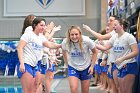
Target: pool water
(10,84)
(11,90)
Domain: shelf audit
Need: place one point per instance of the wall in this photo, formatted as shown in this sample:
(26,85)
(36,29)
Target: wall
(104,8)
(10,27)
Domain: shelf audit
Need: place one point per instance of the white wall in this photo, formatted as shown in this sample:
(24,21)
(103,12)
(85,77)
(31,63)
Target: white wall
(10,27)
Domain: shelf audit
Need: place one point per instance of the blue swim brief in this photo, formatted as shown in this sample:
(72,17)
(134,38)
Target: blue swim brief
(97,69)
(38,67)
(82,75)
(131,68)
(28,68)
(110,75)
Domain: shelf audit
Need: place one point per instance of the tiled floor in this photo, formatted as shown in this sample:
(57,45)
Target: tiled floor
(62,86)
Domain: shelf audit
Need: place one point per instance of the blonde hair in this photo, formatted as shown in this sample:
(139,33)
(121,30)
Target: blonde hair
(69,42)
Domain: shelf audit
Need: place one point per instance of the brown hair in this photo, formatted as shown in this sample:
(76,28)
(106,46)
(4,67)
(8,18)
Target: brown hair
(103,32)
(27,22)
(123,22)
(36,21)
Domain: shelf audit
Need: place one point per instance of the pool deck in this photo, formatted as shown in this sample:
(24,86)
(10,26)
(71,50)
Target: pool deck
(62,86)
(58,85)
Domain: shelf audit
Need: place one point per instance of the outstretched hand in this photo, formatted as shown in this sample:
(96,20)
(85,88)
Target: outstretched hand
(56,28)
(50,27)
(86,27)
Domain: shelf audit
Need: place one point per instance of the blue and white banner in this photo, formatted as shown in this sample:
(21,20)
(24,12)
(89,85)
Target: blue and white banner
(113,6)
(44,7)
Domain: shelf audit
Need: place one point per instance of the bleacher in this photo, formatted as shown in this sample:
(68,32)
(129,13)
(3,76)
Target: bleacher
(8,58)
(9,83)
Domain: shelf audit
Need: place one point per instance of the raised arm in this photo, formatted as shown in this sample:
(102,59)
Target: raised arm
(97,35)
(51,29)
(54,30)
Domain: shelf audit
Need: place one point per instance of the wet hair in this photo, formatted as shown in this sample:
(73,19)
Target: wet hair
(123,22)
(36,21)
(27,22)
(69,42)
(115,16)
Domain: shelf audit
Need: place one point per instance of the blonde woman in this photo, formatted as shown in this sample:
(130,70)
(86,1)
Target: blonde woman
(76,51)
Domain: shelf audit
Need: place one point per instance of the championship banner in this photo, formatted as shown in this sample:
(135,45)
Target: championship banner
(44,7)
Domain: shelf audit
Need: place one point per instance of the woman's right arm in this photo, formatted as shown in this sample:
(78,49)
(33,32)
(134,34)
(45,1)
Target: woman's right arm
(20,47)
(97,35)
(65,57)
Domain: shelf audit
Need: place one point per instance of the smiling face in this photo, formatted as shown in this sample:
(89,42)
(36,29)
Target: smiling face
(41,27)
(117,27)
(75,35)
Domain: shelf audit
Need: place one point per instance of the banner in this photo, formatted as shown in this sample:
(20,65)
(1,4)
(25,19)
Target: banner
(113,6)
(44,7)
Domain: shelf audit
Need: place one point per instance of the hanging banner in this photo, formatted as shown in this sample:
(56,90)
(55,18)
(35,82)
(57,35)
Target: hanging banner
(44,7)
(113,6)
